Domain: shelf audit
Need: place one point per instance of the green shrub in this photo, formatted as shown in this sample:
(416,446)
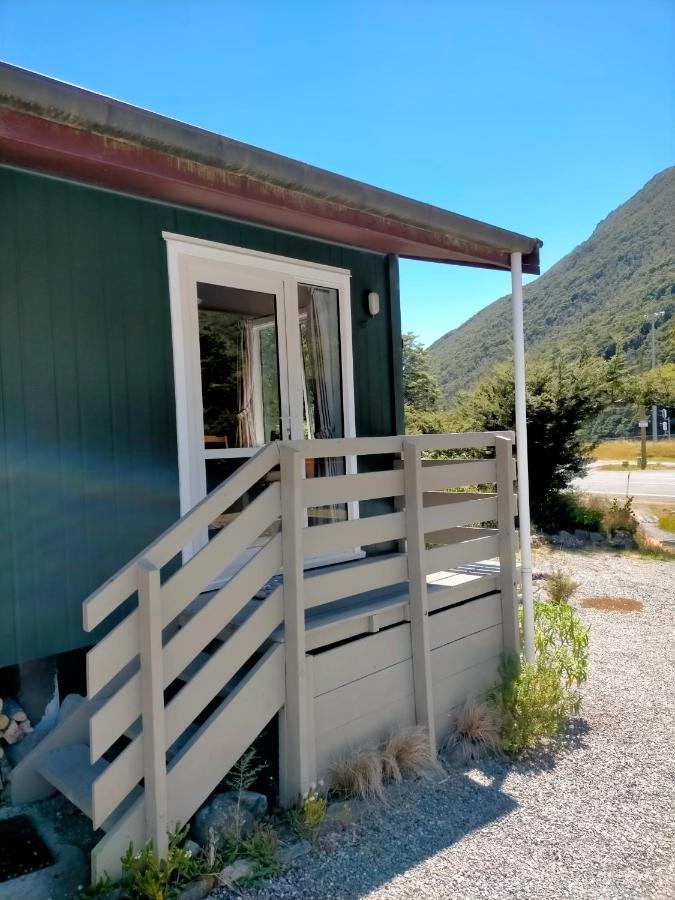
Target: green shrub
(619,516)
(535,700)
(147,878)
(262,848)
(568,511)
(560,586)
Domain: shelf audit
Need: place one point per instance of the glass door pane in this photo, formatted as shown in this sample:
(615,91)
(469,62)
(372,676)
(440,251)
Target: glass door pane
(322,402)
(241,398)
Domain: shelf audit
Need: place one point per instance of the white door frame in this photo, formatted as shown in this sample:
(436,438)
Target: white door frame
(191,259)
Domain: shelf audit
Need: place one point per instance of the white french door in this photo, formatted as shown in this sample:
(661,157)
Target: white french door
(262,352)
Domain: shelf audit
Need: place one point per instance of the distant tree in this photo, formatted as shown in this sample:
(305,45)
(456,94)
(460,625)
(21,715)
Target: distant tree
(655,386)
(420,385)
(560,399)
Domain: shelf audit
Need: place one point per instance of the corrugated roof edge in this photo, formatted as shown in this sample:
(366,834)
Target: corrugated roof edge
(77,107)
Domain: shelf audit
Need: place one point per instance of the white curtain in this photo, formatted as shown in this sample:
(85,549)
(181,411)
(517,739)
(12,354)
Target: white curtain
(324,348)
(245,411)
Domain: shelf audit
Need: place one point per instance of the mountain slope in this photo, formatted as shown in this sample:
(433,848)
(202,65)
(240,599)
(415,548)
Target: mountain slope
(592,301)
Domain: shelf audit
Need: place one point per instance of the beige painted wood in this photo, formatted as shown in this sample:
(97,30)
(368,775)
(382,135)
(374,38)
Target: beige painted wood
(451,692)
(419,626)
(121,645)
(459,534)
(343,488)
(331,447)
(471,586)
(27,785)
(458,441)
(471,551)
(341,629)
(363,575)
(375,726)
(439,517)
(220,551)
(339,536)
(456,623)
(115,591)
(451,658)
(455,474)
(297,761)
(114,717)
(119,713)
(363,697)
(361,658)
(507,544)
(199,768)
(152,708)
(125,772)
(442,498)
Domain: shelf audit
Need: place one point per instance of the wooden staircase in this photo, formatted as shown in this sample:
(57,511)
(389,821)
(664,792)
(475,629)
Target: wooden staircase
(191,674)
(181,687)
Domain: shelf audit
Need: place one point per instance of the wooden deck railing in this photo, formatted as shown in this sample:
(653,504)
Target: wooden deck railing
(429,526)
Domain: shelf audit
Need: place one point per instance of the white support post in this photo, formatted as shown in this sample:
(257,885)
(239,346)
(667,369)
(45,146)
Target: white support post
(521,453)
(506,512)
(152,708)
(297,750)
(417,585)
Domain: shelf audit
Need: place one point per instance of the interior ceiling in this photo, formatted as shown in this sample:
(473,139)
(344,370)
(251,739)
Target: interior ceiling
(248,304)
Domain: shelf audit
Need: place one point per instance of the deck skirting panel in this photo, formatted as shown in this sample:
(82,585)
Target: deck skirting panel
(363,690)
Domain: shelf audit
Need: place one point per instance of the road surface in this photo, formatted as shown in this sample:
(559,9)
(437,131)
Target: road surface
(656,485)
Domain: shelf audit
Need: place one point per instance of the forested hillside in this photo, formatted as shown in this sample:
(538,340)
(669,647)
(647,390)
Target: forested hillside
(593,301)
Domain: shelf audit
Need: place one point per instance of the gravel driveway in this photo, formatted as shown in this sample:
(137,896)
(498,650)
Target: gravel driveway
(596,821)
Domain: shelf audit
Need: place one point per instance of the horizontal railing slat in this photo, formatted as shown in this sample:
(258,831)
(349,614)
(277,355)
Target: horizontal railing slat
(123,708)
(220,551)
(323,448)
(124,773)
(440,559)
(225,604)
(339,536)
(121,645)
(345,581)
(437,518)
(99,605)
(344,488)
(476,471)
(462,440)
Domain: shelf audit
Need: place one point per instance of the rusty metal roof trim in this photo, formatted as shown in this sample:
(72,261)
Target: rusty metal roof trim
(267,177)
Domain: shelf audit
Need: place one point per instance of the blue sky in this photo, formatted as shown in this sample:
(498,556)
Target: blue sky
(535,116)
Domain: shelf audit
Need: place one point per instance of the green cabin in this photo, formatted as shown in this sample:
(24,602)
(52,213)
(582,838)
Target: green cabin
(204,478)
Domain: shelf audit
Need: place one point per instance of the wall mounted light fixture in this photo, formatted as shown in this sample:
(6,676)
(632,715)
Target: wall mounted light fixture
(373,303)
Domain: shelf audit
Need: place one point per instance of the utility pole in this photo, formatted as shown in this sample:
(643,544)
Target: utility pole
(655,424)
(643,439)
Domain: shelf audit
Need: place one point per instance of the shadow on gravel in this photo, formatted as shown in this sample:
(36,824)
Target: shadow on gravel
(573,739)
(421,820)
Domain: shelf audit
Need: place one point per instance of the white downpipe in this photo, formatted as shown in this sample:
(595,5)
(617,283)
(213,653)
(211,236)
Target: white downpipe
(521,453)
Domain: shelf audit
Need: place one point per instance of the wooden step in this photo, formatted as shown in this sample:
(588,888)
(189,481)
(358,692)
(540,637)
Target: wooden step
(71,772)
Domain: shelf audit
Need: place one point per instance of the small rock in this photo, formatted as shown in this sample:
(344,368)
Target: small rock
(239,869)
(582,535)
(194,848)
(596,537)
(220,813)
(291,852)
(197,890)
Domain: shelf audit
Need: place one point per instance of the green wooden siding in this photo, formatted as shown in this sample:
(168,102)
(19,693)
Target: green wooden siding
(88,469)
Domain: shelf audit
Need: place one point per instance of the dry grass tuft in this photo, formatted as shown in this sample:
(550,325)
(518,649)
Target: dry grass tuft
(612,604)
(408,754)
(358,774)
(474,731)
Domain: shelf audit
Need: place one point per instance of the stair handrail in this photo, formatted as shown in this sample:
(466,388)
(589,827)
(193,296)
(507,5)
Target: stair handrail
(106,599)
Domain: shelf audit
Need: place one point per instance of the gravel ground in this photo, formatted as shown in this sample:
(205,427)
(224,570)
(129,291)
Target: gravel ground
(596,820)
